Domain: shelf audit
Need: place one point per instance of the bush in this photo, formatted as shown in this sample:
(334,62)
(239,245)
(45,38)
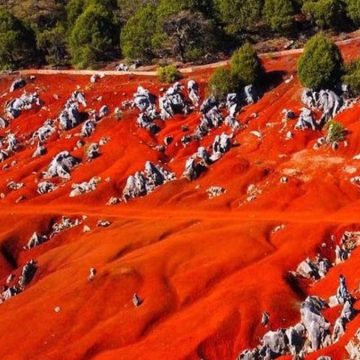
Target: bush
(325,13)
(221,83)
(169,74)
(92,38)
(17,43)
(320,66)
(353,10)
(136,36)
(279,15)
(352,77)
(246,66)
(336,131)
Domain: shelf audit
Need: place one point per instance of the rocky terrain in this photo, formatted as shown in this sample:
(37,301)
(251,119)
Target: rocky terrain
(138,223)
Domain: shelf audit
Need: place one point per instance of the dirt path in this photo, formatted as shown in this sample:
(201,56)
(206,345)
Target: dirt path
(188,70)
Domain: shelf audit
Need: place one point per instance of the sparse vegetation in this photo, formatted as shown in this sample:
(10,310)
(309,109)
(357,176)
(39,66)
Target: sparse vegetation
(336,132)
(169,74)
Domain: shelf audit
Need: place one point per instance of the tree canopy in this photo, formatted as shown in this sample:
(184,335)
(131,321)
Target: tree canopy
(279,15)
(246,66)
(16,41)
(320,66)
(93,37)
(221,83)
(136,37)
(84,32)
(325,13)
(239,15)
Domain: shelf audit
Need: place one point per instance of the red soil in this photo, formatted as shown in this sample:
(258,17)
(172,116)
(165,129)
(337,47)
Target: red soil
(206,269)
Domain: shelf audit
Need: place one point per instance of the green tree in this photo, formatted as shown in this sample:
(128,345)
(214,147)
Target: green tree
(353,10)
(40,14)
(320,66)
(189,35)
(279,15)
(325,13)
(52,44)
(221,83)
(204,6)
(17,43)
(352,76)
(239,15)
(136,36)
(246,66)
(74,9)
(93,37)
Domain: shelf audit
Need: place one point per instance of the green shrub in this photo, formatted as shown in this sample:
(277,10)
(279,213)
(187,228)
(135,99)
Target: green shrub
(169,74)
(246,66)
(320,66)
(221,83)
(352,76)
(336,131)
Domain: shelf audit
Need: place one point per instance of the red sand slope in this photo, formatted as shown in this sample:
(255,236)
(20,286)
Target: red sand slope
(206,269)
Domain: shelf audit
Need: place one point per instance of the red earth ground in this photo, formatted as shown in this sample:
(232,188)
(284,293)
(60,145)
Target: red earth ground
(206,268)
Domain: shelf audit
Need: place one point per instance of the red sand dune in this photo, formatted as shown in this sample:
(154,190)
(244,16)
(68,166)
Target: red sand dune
(206,269)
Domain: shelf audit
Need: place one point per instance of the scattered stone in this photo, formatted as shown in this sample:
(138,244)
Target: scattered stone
(144,182)
(92,273)
(137,301)
(113,201)
(85,187)
(35,240)
(193,90)
(61,165)
(103,223)
(265,319)
(215,191)
(17,84)
(12,185)
(46,187)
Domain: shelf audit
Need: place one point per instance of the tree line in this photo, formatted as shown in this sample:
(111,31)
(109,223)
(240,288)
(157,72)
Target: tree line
(87,32)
